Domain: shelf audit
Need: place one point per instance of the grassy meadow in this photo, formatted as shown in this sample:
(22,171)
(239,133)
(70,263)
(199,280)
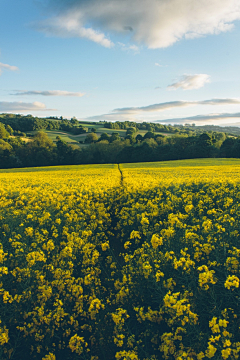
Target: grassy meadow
(131,261)
(74,139)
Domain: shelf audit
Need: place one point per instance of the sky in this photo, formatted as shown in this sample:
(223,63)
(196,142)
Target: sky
(166,61)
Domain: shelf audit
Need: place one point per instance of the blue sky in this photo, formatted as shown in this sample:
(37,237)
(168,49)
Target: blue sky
(173,61)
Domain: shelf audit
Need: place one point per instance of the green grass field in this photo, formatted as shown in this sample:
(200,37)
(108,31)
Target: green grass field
(184,163)
(61,168)
(145,165)
(74,139)
(65,136)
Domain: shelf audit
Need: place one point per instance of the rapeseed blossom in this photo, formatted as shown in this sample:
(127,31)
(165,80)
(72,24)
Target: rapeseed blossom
(92,269)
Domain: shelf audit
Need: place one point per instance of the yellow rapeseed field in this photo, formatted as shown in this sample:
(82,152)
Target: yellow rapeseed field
(136,261)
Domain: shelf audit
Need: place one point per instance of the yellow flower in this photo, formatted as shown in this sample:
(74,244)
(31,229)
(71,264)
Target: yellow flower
(50,356)
(226,353)
(156,241)
(105,246)
(232,282)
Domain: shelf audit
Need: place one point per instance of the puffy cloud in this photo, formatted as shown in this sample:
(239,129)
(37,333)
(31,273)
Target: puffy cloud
(157,24)
(190,82)
(176,104)
(6,106)
(7,67)
(48,93)
(70,25)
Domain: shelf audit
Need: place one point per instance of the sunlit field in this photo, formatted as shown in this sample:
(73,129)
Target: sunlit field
(183,171)
(136,261)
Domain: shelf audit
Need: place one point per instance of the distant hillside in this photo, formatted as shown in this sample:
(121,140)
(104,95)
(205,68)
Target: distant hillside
(230,130)
(26,123)
(27,141)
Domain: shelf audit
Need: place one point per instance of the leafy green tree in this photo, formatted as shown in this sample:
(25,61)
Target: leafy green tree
(74,121)
(90,138)
(76,130)
(115,136)
(9,129)
(205,140)
(227,146)
(131,130)
(5,153)
(131,138)
(125,155)
(219,139)
(149,135)
(150,127)
(160,139)
(3,132)
(139,138)
(104,136)
(4,146)
(64,152)
(144,151)
(204,146)
(41,151)
(100,152)
(42,140)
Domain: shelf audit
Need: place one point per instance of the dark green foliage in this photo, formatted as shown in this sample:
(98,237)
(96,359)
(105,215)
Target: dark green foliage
(64,152)
(3,132)
(149,135)
(91,137)
(115,136)
(104,136)
(139,137)
(39,150)
(30,123)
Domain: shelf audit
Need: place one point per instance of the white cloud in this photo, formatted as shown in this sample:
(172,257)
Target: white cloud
(6,106)
(125,47)
(133,47)
(112,117)
(139,113)
(190,82)
(7,67)
(157,24)
(176,104)
(70,25)
(233,101)
(201,118)
(49,93)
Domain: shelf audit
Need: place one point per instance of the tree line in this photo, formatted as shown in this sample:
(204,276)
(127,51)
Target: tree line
(42,151)
(23,124)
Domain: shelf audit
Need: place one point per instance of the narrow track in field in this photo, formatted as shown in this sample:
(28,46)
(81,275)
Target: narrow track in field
(121,174)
